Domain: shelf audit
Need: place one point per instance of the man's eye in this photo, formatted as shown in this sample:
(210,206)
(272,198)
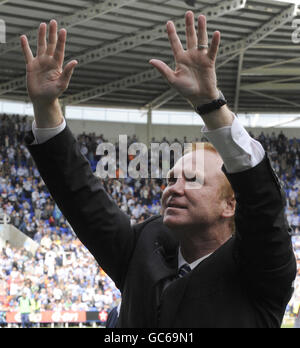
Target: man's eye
(194,179)
(171,181)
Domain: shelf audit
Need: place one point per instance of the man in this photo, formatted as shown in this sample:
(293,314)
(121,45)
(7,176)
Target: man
(25,310)
(36,309)
(184,269)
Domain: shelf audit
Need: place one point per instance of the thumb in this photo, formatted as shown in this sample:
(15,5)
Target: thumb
(67,73)
(164,69)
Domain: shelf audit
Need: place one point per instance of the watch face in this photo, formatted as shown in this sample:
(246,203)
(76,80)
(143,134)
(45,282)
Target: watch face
(221,102)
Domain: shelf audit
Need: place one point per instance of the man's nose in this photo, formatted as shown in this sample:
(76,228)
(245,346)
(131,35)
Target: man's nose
(178,187)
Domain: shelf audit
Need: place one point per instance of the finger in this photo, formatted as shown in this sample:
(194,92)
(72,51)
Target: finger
(26,49)
(164,69)
(59,54)
(174,39)
(214,47)
(42,42)
(202,31)
(191,35)
(52,40)
(67,73)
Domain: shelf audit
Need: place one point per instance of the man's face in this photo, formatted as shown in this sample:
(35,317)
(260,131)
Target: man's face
(193,196)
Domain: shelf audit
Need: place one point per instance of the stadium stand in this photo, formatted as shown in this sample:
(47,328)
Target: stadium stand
(62,276)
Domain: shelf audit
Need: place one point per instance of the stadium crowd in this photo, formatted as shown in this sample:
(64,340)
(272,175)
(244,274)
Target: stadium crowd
(62,275)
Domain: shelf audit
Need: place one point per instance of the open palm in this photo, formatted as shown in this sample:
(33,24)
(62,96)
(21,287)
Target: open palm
(46,77)
(194,76)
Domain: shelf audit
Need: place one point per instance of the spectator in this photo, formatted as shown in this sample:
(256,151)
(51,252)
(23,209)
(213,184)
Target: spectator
(25,310)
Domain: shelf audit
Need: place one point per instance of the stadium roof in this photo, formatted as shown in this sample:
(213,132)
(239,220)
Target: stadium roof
(113,40)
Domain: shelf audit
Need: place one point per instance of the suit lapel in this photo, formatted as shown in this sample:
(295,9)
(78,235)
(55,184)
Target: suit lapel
(171,300)
(162,265)
(160,269)
(163,262)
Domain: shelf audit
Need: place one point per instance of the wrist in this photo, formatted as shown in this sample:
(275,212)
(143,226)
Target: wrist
(223,117)
(47,114)
(196,101)
(215,112)
(45,104)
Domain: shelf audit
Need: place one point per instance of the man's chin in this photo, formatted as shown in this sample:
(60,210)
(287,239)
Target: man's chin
(173,222)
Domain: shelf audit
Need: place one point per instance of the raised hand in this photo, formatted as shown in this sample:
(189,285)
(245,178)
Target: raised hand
(46,77)
(194,77)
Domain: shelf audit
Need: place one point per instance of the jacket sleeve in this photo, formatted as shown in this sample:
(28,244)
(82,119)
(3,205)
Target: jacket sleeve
(97,221)
(263,248)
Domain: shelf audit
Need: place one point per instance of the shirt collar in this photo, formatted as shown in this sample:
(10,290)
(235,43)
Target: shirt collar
(182,261)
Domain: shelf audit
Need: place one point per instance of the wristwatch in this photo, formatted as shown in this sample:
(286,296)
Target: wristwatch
(212,106)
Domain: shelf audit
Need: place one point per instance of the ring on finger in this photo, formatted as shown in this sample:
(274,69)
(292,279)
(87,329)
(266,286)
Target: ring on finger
(202,47)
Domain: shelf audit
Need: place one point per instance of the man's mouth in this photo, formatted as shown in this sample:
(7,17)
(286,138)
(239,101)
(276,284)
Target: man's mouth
(176,205)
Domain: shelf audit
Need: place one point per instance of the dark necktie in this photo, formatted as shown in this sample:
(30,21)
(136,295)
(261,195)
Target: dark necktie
(184,270)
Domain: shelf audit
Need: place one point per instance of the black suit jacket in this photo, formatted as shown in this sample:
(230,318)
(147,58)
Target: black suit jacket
(246,283)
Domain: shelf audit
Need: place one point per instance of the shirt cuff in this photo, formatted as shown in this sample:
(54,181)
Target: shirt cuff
(42,135)
(238,150)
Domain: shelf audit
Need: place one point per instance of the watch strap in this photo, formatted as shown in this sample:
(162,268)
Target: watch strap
(212,106)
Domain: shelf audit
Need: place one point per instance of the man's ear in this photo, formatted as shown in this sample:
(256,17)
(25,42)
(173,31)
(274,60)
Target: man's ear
(229,205)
